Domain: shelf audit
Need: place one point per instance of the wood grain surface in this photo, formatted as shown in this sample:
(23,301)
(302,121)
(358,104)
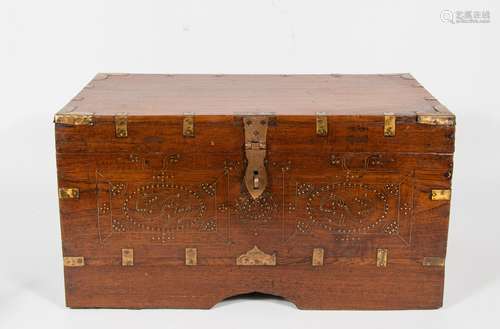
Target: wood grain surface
(162,94)
(349,193)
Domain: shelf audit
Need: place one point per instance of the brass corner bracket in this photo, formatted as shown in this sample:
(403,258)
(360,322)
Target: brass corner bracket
(436,119)
(74,119)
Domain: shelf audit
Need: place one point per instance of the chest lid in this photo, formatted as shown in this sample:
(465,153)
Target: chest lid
(334,94)
(391,112)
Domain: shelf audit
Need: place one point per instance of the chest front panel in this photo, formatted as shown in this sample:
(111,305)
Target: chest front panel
(179,213)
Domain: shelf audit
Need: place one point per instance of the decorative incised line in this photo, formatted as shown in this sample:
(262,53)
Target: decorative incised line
(351,210)
(172,206)
(160,209)
(328,208)
(350,161)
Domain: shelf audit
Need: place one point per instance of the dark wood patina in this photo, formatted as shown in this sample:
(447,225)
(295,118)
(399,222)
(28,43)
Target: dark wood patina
(169,198)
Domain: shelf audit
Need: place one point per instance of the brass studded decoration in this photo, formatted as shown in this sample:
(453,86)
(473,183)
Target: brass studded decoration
(441,195)
(69,193)
(389,125)
(321,124)
(74,119)
(433,261)
(317,258)
(121,125)
(127,257)
(73,261)
(382,257)
(188,126)
(191,256)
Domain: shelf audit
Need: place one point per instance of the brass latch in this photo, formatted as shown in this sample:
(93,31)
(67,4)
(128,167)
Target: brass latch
(255,151)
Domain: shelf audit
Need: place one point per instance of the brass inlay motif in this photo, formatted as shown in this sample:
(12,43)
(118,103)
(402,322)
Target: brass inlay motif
(436,120)
(389,125)
(441,195)
(256,257)
(255,151)
(382,257)
(127,257)
(433,261)
(191,256)
(317,258)
(69,193)
(321,124)
(188,126)
(74,119)
(73,261)
(121,125)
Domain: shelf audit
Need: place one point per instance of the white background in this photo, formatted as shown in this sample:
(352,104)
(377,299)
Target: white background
(50,49)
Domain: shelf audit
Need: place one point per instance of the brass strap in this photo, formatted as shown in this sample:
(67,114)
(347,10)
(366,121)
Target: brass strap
(255,151)
(188,125)
(121,130)
(191,256)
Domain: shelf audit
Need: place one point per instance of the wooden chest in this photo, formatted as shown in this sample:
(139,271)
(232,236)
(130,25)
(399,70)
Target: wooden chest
(178,191)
